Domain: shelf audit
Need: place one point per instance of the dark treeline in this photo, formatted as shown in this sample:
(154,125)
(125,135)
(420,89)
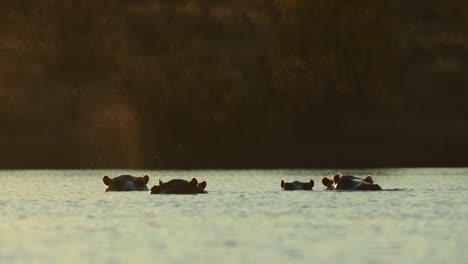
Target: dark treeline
(233,84)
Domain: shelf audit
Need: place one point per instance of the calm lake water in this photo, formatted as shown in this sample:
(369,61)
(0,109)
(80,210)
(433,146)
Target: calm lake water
(65,216)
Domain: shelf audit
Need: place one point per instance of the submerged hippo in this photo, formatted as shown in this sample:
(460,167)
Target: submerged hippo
(178,186)
(296,185)
(343,182)
(126,183)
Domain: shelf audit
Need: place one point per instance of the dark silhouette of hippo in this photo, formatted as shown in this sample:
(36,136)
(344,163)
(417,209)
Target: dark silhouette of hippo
(296,185)
(344,182)
(178,186)
(126,183)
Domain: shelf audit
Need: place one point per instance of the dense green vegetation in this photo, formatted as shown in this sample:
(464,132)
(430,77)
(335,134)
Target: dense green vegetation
(263,83)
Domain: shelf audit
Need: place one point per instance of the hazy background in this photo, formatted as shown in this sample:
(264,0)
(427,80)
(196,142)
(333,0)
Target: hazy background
(233,84)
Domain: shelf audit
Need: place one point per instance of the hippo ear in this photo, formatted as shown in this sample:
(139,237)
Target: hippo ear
(326,181)
(336,177)
(311,183)
(161,182)
(368,179)
(193,182)
(107,181)
(202,185)
(146,179)
(282,184)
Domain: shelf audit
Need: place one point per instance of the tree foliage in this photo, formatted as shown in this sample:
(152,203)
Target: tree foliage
(200,83)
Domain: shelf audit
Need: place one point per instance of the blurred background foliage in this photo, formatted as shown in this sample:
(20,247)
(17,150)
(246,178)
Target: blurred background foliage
(233,84)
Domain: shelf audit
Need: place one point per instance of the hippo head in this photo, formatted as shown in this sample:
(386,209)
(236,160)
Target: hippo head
(178,186)
(296,185)
(126,183)
(351,182)
(342,182)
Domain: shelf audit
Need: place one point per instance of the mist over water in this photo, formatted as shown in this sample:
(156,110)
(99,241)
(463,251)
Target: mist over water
(62,216)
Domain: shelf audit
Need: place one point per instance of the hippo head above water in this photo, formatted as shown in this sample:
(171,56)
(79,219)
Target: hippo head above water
(344,182)
(178,186)
(126,183)
(296,185)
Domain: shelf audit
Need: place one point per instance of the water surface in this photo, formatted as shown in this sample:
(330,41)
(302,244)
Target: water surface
(65,216)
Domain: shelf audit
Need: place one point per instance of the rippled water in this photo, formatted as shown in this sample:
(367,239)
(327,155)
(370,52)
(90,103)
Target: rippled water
(65,216)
